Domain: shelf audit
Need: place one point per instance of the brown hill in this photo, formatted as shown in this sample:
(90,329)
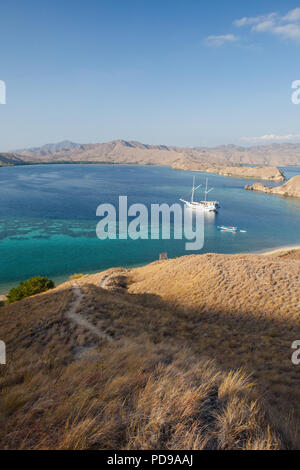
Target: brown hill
(186,158)
(290,189)
(118,151)
(10,159)
(157,357)
(270,173)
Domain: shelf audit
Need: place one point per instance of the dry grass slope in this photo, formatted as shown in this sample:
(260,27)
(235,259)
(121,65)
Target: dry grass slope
(200,359)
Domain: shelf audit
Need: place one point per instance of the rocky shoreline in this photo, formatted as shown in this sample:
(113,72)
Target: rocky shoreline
(290,189)
(270,173)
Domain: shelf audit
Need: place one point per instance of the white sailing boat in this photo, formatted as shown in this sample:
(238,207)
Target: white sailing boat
(207,206)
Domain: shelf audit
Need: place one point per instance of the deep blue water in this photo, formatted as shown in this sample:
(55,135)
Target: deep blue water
(48,217)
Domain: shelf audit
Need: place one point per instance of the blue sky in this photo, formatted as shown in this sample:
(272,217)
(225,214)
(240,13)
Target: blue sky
(182,72)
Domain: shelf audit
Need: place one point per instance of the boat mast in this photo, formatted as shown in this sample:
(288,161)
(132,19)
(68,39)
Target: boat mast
(207,190)
(193,190)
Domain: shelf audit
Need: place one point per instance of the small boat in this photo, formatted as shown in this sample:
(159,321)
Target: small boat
(227,228)
(207,206)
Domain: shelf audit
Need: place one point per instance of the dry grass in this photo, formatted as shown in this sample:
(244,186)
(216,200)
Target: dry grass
(288,254)
(188,333)
(243,311)
(133,396)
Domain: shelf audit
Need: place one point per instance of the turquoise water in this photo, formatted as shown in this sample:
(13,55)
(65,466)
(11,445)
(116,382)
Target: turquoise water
(48,217)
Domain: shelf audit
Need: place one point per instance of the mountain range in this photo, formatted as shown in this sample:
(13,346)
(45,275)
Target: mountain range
(132,152)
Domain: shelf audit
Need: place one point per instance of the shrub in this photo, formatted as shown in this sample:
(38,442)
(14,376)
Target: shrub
(30,287)
(76,276)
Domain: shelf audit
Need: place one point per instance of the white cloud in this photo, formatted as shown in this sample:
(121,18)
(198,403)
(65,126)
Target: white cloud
(263,26)
(290,31)
(287,26)
(248,21)
(273,138)
(217,41)
(242,22)
(293,15)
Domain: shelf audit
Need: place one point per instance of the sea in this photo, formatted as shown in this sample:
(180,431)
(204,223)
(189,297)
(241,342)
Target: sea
(48,217)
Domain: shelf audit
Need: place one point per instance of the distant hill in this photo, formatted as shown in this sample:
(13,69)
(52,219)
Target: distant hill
(271,173)
(122,151)
(50,149)
(8,159)
(216,159)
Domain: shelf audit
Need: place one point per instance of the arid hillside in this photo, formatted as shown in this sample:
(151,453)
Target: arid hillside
(122,151)
(286,253)
(290,189)
(10,159)
(226,159)
(189,353)
(270,173)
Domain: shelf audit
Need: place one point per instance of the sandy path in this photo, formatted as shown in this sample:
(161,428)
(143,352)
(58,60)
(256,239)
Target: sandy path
(104,281)
(78,319)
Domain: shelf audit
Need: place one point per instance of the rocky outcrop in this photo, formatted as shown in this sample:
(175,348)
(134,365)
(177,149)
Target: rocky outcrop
(254,172)
(290,189)
(10,159)
(270,173)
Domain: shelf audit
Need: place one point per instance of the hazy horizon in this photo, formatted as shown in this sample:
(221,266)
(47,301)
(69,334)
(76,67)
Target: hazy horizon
(245,145)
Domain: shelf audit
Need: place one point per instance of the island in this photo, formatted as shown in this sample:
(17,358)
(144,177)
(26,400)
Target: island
(289,189)
(271,173)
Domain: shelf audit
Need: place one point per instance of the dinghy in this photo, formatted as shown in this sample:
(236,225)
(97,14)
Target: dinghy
(227,228)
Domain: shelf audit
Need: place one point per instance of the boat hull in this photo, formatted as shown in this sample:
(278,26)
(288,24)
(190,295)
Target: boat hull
(227,229)
(205,206)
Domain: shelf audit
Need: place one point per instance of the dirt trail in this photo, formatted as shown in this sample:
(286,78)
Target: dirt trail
(104,281)
(78,319)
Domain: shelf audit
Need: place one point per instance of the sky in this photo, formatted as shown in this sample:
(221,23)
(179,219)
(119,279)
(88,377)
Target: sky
(174,72)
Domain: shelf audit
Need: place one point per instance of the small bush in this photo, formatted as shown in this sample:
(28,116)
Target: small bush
(30,287)
(76,276)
